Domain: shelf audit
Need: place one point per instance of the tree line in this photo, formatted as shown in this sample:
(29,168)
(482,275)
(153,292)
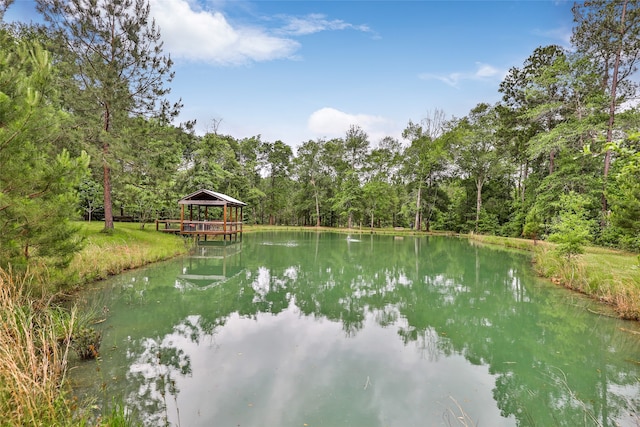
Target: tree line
(86,131)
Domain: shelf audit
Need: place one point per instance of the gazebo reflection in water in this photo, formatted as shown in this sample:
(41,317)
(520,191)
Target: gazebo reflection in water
(211,264)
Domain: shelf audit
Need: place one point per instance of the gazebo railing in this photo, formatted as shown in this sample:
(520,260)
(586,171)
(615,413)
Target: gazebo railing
(198,227)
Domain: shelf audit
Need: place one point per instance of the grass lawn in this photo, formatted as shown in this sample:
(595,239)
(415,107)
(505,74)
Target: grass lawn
(127,247)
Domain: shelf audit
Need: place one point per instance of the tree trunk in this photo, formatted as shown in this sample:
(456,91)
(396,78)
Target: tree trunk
(612,107)
(315,191)
(479,185)
(524,180)
(417,223)
(108,212)
(431,203)
(106,171)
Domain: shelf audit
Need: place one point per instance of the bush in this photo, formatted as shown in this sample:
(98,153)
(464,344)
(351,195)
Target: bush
(571,230)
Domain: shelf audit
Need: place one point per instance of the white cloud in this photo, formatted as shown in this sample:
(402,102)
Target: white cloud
(483,72)
(200,35)
(191,33)
(314,23)
(331,123)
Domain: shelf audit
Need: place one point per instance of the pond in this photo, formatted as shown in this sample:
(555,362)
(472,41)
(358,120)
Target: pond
(323,329)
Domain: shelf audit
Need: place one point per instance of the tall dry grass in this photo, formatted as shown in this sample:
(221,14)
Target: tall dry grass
(34,346)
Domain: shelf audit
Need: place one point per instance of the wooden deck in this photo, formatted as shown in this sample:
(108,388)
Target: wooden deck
(200,228)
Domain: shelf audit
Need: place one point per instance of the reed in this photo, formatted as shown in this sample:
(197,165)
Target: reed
(34,345)
(37,335)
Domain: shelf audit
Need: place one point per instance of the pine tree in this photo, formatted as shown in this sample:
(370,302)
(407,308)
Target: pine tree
(114,57)
(608,32)
(37,179)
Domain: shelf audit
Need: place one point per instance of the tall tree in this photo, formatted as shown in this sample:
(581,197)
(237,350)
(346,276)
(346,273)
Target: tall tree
(308,168)
(212,161)
(346,157)
(356,147)
(474,143)
(383,165)
(114,56)
(248,182)
(625,191)
(148,187)
(347,200)
(377,198)
(535,94)
(425,158)
(609,33)
(278,163)
(37,178)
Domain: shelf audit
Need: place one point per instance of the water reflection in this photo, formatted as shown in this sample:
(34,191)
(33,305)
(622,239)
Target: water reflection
(324,329)
(210,265)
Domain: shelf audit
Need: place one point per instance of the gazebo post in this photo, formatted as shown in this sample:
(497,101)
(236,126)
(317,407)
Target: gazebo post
(235,225)
(181,218)
(224,222)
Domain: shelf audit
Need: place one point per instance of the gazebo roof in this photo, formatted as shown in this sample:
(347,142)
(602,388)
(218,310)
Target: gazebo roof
(210,198)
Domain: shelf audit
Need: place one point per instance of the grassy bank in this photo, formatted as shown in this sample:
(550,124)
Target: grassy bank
(107,254)
(610,276)
(38,335)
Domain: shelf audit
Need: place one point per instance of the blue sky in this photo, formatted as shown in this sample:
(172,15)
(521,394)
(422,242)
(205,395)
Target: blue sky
(299,70)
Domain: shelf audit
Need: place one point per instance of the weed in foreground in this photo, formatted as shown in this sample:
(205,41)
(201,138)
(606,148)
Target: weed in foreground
(33,357)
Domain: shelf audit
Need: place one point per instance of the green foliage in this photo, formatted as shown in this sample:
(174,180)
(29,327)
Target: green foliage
(572,229)
(425,161)
(488,223)
(311,178)
(378,200)
(475,144)
(118,417)
(90,197)
(277,187)
(37,179)
(625,196)
(347,199)
(533,225)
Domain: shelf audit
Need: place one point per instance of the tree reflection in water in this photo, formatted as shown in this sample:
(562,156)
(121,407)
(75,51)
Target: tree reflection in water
(155,368)
(551,362)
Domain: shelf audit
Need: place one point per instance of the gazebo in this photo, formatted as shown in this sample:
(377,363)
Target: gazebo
(206,213)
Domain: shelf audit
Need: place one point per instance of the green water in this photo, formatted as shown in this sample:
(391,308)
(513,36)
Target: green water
(307,329)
